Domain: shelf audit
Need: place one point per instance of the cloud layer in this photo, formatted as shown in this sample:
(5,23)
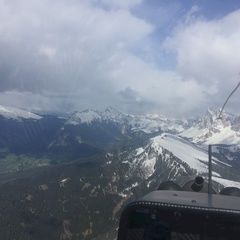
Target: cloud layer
(67,55)
(207,52)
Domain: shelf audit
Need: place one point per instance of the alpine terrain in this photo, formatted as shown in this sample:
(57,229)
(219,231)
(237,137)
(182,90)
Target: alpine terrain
(68,178)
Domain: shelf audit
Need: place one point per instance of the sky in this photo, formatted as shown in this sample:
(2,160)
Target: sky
(174,57)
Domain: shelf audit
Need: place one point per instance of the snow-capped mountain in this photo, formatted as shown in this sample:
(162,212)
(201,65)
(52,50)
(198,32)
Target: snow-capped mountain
(152,123)
(149,123)
(17,114)
(95,161)
(90,116)
(210,129)
(111,128)
(25,132)
(170,157)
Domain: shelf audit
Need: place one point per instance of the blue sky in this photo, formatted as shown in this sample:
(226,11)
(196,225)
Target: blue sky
(166,15)
(136,55)
(209,9)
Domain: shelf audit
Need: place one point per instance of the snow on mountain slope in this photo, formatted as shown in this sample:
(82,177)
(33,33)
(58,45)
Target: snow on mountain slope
(225,136)
(153,160)
(87,116)
(168,157)
(205,130)
(226,182)
(149,123)
(212,130)
(176,156)
(90,116)
(17,114)
(195,157)
(194,133)
(190,153)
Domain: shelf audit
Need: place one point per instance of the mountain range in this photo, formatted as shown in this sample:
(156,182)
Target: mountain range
(69,177)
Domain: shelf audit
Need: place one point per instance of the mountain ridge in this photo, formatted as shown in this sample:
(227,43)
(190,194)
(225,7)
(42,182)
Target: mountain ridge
(85,167)
(17,114)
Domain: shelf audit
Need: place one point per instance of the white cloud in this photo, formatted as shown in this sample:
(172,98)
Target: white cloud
(81,36)
(207,52)
(47,51)
(98,57)
(163,89)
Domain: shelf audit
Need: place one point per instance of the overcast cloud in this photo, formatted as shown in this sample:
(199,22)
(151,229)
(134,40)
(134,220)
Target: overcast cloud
(63,55)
